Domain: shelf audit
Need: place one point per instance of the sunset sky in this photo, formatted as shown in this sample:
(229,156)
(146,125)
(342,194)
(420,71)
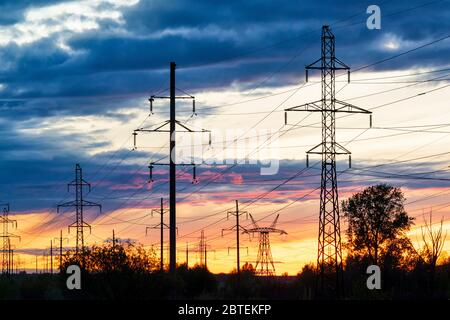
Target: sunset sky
(75,78)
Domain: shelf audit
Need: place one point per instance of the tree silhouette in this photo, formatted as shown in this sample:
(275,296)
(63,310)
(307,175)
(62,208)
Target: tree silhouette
(107,258)
(377,223)
(433,242)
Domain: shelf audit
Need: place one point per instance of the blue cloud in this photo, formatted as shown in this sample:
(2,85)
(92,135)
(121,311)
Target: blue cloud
(215,44)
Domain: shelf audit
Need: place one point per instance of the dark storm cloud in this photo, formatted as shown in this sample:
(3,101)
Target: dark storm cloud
(215,44)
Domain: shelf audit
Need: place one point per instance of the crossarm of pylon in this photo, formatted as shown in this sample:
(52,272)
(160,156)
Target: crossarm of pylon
(160,128)
(83,225)
(310,106)
(157,129)
(343,66)
(253,221)
(87,203)
(279,231)
(253,230)
(274,223)
(242,228)
(313,65)
(158,211)
(158,226)
(189,129)
(7,220)
(339,149)
(168,164)
(9,235)
(85,183)
(66,204)
(342,106)
(168,97)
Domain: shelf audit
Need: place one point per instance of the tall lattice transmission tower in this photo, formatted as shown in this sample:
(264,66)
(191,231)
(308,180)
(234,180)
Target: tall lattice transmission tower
(329,258)
(264,259)
(79,203)
(7,264)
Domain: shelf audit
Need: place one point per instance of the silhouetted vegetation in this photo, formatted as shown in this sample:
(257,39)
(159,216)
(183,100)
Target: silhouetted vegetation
(377,222)
(376,234)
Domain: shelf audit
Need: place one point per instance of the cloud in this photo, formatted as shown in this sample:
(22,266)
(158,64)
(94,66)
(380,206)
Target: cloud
(123,48)
(66,59)
(59,20)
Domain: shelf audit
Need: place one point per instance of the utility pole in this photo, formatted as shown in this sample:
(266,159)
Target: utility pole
(172,174)
(79,203)
(6,235)
(187,255)
(51,256)
(203,250)
(113,240)
(45,262)
(329,258)
(161,211)
(237,227)
(264,258)
(18,263)
(36,264)
(60,239)
(172,122)
(11,259)
(185,251)
(206,255)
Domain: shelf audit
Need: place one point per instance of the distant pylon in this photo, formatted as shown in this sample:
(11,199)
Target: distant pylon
(7,263)
(264,259)
(161,211)
(79,203)
(329,257)
(238,228)
(202,250)
(60,240)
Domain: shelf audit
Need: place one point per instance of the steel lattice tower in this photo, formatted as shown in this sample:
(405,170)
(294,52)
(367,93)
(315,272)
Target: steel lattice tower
(7,264)
(79,203)
(329,258)
(264,259)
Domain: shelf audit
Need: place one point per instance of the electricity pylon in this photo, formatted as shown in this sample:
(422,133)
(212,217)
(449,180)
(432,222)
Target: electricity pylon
(202,250)
(79,203)
(51,256)
(60,240)
(7,257)
(238,228)
(264,259)
(161,211)
(172,123)
(329,258)
(186,254)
